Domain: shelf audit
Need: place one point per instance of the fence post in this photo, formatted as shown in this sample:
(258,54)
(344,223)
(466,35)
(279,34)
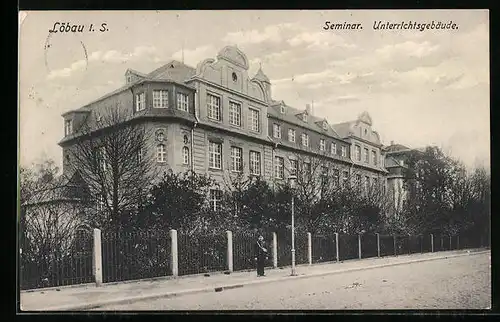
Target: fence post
(409,244)
(442,243)
(275,250)
(421,244)
(309,248)
(174,256)
(337,246)
(378,245)
(450,243)
(432,243)
(229,235)
(359,246)
(395,249)
(97,257)
(458,241)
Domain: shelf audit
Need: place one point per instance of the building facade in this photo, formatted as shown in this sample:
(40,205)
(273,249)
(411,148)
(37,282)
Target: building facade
(218,119)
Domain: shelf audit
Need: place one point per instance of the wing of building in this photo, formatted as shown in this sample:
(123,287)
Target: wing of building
(216,118)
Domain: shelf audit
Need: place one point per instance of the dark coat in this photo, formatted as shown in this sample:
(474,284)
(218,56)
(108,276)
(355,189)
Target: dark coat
(260,249)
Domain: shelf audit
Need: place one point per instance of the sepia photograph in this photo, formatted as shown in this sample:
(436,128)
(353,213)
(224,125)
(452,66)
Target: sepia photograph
(254,160)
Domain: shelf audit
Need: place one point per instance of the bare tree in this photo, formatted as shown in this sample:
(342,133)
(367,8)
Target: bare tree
(112,158)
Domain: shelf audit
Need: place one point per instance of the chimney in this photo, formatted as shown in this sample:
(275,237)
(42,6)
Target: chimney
(308,109)
(392,142)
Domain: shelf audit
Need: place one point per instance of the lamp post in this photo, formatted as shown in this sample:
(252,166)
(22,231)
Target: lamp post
(291,180)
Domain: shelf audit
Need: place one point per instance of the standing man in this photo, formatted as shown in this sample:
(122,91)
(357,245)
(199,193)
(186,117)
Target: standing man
(260,255)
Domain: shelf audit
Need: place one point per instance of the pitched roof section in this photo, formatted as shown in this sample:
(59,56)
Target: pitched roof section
(396,148)
(343,129)
(173,70)
(290,116)
(261,76)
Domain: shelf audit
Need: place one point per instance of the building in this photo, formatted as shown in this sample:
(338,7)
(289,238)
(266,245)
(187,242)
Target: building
(218,119)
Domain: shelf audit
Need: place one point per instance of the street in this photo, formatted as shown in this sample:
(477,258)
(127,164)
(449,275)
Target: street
(453,283)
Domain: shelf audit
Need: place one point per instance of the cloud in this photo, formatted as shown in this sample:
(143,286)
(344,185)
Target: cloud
(319,40)
(194,56)
(110,56)
(272,33)
(406,49)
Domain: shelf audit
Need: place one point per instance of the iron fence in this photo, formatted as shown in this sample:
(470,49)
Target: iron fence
(386,245)
(348,247)
(426,243)
(137,255)
(369,246)
(415,244)
(244,244)
(201,253)
(323,248)
(402,245)
(62,263)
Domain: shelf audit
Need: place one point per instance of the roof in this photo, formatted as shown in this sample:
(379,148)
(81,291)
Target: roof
(290,116)
(390,162)
(58,189)
(174,71)
(396,148)
(261,76)
(343,129)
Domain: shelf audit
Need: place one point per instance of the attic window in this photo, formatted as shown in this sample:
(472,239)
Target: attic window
(304,117)
(235,77)
(171,65)
(325,126)
(282,109)
(129,79)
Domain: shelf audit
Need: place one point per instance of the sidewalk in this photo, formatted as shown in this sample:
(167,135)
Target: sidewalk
(89,296)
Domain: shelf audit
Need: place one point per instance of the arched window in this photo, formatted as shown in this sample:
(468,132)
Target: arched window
(185,155)
(161,153)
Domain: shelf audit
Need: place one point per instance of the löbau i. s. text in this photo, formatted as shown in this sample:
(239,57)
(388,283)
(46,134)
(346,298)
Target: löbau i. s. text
(67,27)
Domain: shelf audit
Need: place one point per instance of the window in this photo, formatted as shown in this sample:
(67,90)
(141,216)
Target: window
(305,139)
(279,171)
(185,155)
(293,167)
(304,117)
(213,107)
(68,127)
(254,162)
(325,126)
(357,153)
(235,77)
(160,99)
(344,151)
(140,102)
(291,135)
(333,148)
(375,183)
(129,79)
(161,153)
(358,180)
(102,159)
(236,159)
(215,199)
(282,109)
(140,154)
(345,178)
(336,177)
(374,157)
(182,102)
(234,114)
(277,131)
(254,120)
(366,155)
(306,171)
(215,155)
(367,183)
(322,145)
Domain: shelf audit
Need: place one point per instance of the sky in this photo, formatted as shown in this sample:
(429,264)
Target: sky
(421,88)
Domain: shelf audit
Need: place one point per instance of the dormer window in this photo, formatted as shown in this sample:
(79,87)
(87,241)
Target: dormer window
(282,109)
(325,125)
(68,127)
(304,117)
(129,79)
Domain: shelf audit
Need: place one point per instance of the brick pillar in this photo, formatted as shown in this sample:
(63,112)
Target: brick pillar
(337,246)
(97,257)
(229,235)
(174,256)
(275,250)
(309,248)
